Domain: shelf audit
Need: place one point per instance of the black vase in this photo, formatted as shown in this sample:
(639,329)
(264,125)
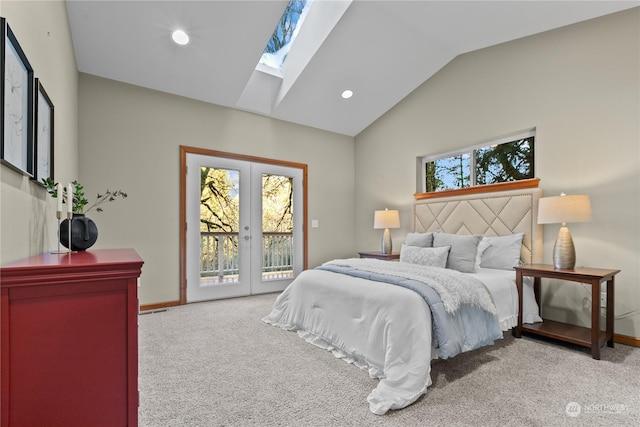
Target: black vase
(84,233)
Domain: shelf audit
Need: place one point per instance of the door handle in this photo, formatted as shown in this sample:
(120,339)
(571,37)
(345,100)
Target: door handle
(246,237)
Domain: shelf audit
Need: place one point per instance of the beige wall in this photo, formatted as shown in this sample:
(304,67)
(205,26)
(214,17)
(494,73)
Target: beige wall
(579,86)
(130,140)
(27,214)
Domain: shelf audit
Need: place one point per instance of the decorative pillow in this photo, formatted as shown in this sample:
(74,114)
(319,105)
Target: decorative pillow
(431,257)
(503,252)
(424,240)
(464,248)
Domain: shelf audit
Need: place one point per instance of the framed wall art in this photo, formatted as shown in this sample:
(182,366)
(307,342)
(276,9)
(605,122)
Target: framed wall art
(43,134)
(16,144)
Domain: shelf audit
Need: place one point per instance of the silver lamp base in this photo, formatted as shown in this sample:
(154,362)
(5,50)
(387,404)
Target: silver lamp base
(564,253)
(386,242)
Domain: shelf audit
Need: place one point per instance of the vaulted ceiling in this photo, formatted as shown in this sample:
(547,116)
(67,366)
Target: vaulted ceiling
(381,50)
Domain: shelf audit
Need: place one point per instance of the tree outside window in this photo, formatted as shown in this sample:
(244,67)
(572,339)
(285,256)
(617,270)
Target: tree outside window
(494,163)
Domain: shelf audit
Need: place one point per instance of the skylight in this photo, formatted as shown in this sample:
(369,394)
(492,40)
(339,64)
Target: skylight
(275,53)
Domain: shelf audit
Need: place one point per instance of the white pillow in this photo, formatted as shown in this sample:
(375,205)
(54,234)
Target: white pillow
(431,257)
(502,252)
(424,240)
(464,249)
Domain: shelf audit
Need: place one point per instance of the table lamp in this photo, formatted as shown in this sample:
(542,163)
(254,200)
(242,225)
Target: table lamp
(386,219)
(562,210)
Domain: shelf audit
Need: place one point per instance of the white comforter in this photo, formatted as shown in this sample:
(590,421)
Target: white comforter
(352,318)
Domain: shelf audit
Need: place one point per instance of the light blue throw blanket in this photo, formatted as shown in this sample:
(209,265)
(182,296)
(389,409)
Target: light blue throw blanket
(462,310)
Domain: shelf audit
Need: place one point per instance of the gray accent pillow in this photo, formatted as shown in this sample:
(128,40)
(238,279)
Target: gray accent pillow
(502,252)
(464,248)
(424,240)
(431,257)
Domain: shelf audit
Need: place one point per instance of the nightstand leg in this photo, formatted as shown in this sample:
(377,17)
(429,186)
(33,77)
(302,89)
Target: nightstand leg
(517,331)
(610,311)
(595,319)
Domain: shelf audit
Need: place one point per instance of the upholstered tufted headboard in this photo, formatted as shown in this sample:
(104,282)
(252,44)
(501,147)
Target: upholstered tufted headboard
(498,213)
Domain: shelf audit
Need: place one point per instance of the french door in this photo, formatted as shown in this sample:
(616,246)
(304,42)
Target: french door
(244,226)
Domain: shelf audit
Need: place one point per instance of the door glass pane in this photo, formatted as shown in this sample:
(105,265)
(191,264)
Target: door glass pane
(219,225)
(277,227)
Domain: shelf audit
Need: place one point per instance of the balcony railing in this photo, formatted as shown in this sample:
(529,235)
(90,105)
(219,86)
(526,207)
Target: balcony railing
(219,256)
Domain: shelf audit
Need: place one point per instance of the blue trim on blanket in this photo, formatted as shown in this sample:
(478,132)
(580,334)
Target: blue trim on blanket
(468,329)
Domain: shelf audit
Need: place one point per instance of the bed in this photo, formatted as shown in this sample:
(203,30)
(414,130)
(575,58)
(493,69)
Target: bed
(452,291)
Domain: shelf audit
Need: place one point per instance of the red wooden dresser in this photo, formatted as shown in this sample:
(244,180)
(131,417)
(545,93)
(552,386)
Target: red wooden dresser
(69,339)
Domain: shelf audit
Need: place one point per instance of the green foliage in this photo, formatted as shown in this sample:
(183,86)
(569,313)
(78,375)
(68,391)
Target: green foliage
(79,200)
(512,161)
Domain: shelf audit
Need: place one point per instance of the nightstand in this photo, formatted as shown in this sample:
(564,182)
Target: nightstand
(379,255)
(592,337)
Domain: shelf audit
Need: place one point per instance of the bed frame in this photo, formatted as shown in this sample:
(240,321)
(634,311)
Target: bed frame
(495,213)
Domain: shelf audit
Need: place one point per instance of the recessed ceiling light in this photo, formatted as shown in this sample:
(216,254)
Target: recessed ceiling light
(180,37)
(347,94)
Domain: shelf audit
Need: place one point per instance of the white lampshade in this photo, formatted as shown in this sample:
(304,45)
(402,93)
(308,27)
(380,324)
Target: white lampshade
(386,219)
(561,210)
(564,209)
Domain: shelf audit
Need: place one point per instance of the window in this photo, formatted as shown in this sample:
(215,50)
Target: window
(275,53)
(503,160)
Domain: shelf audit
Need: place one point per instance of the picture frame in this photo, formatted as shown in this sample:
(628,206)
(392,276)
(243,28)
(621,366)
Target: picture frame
(43,134)
(16,91)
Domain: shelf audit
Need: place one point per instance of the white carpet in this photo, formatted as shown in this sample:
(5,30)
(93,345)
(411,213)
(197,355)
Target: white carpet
(218,364)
